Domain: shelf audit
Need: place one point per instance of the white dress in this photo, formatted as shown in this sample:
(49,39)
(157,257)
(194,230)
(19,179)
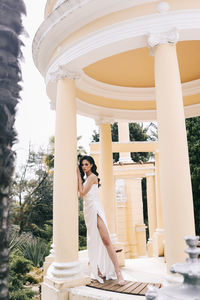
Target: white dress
(97,252)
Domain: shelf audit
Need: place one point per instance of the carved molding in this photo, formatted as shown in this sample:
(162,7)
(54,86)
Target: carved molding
(168,37)
(63,72)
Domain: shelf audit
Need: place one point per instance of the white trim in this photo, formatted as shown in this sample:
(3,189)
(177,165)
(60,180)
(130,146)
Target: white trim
(72,16)
(156,38)
(127,35)
(118,115)
(94,111)
(94,87)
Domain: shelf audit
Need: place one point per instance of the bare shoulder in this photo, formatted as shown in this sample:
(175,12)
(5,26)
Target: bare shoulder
(93,178)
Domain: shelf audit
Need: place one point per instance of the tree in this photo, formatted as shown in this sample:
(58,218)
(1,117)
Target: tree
(137,133)
(49,158)
(193,134)
(10,76)
(32,194)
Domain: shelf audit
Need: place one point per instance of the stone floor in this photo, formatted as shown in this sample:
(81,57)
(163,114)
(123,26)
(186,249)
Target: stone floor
(142,269)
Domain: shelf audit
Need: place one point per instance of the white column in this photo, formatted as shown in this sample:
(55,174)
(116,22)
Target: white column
(107,178)
(135,219)
(123,134)
(65,270)
(176,191)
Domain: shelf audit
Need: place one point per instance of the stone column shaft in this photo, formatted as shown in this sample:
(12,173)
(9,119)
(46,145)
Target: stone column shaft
(123,134)
(65,211)
(107,178)
(175,179)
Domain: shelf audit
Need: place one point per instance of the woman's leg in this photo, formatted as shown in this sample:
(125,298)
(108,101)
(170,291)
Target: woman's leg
(107,243)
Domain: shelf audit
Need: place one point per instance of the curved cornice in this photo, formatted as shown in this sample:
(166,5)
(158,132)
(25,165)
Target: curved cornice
(91,86)
(115,115)
(72,15)
(97,112)
(125,36)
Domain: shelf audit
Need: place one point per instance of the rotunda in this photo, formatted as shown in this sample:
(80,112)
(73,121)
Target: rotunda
(120,61)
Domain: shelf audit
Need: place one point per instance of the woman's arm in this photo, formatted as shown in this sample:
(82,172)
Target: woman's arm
(83,190)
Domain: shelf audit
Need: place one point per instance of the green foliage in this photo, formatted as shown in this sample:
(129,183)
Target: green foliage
(82,227)
(19,266)
(32,197)
(35,250)
(136,132)
(145,212)
(10,77)
(31,279)
(49,158)
(14,238)
(45,232)
(193,138)
(25,294)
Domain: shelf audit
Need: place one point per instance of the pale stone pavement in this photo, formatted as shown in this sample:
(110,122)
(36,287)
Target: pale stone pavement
(142,269)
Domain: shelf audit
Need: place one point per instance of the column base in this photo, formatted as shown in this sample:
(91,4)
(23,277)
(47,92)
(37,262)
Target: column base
(48,261)
(60,277)
(59,290)
(158,242)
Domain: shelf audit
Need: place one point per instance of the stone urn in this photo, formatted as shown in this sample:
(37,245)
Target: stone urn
(190,270)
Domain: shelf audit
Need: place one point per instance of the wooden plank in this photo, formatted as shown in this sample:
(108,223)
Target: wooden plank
(144,290)
(95,284)
(138,289)
(108,282)
(123,288)
(134,288)
(134,285)
(110,286)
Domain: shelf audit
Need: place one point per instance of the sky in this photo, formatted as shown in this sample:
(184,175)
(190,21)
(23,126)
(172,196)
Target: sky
(35,121)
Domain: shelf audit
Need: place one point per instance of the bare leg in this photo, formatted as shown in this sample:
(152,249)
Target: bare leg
(111,251)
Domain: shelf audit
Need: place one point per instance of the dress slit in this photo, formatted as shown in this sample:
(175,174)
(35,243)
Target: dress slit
(97,252)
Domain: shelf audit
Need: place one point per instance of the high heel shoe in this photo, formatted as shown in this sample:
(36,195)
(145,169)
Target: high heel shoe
(120,281)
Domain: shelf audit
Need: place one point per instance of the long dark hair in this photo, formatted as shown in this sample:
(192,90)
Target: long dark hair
(93,169)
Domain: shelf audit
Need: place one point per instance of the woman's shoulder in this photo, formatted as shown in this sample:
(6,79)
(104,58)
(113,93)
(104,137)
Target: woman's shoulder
(93,178)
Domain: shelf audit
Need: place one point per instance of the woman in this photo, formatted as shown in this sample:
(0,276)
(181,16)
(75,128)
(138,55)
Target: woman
(102,256)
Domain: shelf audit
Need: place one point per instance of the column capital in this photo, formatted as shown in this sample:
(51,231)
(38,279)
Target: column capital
(100,121)
(167,37)
(63,72)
